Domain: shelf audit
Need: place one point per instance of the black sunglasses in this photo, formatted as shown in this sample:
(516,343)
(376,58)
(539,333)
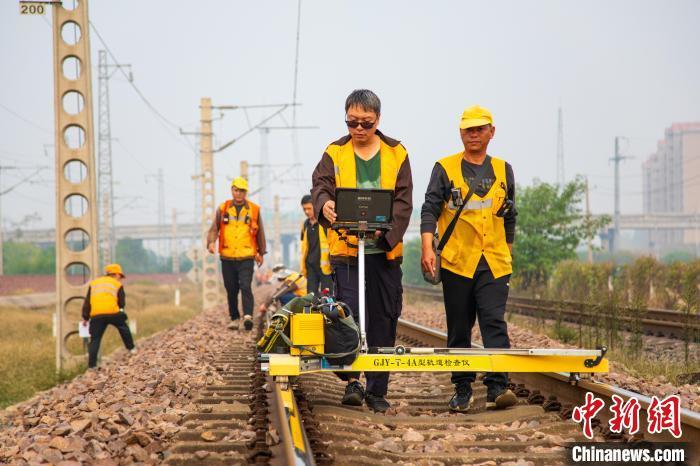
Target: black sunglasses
(364,124)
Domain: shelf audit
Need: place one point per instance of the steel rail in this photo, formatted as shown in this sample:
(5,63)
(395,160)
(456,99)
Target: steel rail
(286,418)
(658,322)
(561,386)
(285,415)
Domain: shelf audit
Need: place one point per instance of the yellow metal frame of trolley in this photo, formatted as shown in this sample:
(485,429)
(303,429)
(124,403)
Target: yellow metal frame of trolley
(446,360)
(307,331)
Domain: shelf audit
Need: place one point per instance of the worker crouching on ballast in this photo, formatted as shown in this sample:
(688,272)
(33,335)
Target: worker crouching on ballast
(238,227)
(366,159)
(104,305)
(291,285)
(475,262)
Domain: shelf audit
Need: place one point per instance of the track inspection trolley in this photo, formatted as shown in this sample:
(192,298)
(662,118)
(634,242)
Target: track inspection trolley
(361,212)
(318,334)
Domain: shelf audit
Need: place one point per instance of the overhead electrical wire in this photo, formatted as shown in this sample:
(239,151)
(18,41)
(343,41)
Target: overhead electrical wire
(22,181)
(165,122)
(29,122)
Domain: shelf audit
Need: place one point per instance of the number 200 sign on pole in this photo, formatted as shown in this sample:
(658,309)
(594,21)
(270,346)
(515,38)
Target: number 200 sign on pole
(35,8)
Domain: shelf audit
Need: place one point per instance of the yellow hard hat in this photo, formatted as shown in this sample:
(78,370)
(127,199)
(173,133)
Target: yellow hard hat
(114,269)
(475,115)
(240,183)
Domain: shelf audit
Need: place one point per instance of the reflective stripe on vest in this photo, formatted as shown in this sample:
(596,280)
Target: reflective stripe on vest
(238,238)
(325,251)
(478,231)
(346,177)
(103,296)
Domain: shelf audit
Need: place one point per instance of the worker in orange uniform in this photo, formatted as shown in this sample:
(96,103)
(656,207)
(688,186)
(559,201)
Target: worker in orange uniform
(238,227)
(103,306)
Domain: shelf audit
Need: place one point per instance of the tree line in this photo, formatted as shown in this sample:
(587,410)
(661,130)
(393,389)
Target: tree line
(29,259)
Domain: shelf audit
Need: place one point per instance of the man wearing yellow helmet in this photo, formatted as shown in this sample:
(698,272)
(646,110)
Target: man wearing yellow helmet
(238,227)
(475,267)
(103,306)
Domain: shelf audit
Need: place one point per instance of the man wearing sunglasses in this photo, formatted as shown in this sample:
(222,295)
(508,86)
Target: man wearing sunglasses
(367,159)
(476,259)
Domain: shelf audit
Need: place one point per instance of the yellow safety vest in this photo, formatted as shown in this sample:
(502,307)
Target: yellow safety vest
(343,157)
(103,296)
(325,251)
(238,237)
(478,230)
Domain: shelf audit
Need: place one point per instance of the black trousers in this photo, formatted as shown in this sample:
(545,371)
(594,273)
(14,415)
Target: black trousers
(238,276)
(316,279)
(383,302)
(98,325)
(468,299)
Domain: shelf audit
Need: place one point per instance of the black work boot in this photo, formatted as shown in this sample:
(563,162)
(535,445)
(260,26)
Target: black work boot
(376,403)
(248,322)
(462,399)
(500,398)
(354,394)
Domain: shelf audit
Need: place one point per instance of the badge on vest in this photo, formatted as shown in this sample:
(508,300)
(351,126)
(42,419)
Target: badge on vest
(502,206)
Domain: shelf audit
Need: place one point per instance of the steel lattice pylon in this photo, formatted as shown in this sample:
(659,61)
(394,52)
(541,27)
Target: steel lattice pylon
(104,150)
(76,210)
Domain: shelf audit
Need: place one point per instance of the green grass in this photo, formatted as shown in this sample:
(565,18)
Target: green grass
(27,348)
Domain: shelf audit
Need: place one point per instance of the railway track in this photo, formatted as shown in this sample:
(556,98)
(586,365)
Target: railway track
(421,430)
(250,418)
(238,415)
(654,322)
(558,385)
(247,419)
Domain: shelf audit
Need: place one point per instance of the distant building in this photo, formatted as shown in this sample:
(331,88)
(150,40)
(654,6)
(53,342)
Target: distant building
(671,181)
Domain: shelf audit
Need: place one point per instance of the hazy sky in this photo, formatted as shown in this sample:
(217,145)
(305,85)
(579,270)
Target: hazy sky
(617,68)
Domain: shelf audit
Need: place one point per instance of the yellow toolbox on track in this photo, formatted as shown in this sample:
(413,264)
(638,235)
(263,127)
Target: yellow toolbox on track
(307,330)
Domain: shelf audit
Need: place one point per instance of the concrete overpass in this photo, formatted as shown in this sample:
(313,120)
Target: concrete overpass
(186,233)
(145,232)
(290,229)
(669,221)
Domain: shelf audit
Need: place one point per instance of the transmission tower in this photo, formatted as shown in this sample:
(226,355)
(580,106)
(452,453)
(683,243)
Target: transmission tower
(104,150)
(615,234)
(197,190)
(160,180)
(264,173)
(174,252)
(161,206)
(560,151)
